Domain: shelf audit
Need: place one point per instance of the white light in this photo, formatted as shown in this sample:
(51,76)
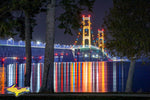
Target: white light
(93,56)
(96,55)
(85,55)
(38,42)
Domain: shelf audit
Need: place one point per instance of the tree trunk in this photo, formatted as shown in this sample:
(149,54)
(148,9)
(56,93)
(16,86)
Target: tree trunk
(49,50)
(28,50)
(130,76)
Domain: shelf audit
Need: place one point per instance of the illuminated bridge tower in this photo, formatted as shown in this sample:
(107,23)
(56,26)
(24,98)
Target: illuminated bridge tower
(86,40)
(101,40)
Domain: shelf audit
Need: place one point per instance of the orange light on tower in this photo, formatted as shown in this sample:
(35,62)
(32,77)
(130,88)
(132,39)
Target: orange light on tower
(103,30)
(83,16)
(89,15)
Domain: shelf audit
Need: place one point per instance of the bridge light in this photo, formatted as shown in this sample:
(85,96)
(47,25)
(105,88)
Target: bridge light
(66,54)
(56,54)
(85,55)
(78,53)
(96,55)
(93,56)
(16,58)
(61,54)
(3,59)
(83,16)
(89,15)
(103,30)
(38,42)
(40,57)
(75,59)
(24,58)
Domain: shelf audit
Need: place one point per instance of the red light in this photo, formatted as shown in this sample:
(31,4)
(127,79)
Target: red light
(62,54)
(66,54)
(83,15)
(98,29)
(33,57)
(75,59)
(24,58)
(3,59)
(56,54)
(16,58)
(102,29)
(78,53)
(40,57)
(89,15)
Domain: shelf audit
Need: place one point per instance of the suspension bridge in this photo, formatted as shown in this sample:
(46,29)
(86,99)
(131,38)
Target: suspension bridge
(77,67)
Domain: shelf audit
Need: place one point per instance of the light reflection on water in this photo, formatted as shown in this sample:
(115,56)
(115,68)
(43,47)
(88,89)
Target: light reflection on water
(76,76)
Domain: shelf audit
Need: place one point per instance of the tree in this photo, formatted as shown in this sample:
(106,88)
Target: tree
(69,19)
(7,21)
(128,25)
(18,17)
(28,9)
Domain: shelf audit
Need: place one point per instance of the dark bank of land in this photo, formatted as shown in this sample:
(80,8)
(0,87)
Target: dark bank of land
(79,96)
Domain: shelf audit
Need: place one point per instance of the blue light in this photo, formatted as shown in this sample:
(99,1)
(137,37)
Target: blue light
(80,30)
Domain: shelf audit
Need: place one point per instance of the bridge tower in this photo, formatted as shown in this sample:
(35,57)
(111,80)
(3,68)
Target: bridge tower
(101,39)
(86,40)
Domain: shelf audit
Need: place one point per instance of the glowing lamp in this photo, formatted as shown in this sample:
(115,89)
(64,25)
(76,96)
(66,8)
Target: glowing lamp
(38,42)
(83,15)
(66,54)
(75,59)
(61,54)
(16,58)
(102,29)
(89,15)
(56,54)
(98,29)
(24,58)
(3,59)
(78,53)
(40,57)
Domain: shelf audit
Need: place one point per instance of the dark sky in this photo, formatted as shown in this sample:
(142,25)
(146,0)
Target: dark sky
(99,9)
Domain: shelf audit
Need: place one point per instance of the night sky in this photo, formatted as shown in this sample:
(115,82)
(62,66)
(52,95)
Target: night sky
(99,9)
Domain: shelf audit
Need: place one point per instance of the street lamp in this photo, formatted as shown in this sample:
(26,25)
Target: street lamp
(10,40)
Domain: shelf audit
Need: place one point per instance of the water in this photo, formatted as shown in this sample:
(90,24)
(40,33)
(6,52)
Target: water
(80,76)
